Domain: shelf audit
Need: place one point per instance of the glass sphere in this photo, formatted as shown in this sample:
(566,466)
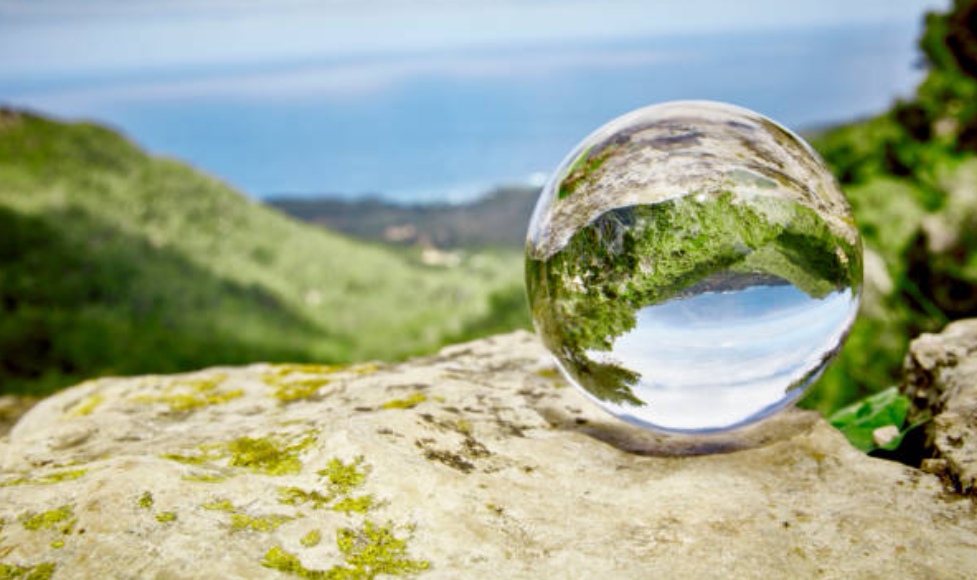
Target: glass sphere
(693,267)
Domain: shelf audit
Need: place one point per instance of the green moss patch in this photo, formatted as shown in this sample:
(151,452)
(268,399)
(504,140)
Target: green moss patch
(294,382)
(205,477)
(86,406)
(340,480)
(198,459)
(42,571)
(268,523)
(344,477)
(311,539)
(268,456)
(48,478)
(192,394)
(244,522)
(166,517)
(145,501)
(406,403)
(286,370)
(222,505)
(290,390)
(299,496)
(359,504)
(62,518)
(368,551)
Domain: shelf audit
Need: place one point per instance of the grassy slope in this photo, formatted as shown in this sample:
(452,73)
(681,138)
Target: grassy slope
(113,261)
(497,220)
(911,177)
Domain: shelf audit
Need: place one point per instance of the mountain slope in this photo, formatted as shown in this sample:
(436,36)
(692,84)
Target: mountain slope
(911,177)
(115,262)
(497,219)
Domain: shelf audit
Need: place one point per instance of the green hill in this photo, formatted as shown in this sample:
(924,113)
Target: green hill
(497,219)
(116,262)
(911,177)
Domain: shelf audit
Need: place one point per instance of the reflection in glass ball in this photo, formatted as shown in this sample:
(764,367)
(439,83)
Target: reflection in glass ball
(693,266)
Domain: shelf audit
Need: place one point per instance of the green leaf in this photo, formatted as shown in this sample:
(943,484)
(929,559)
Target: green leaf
(859,420)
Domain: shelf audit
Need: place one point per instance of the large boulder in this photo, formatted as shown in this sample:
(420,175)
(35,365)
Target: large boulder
(479,462)
(941,381)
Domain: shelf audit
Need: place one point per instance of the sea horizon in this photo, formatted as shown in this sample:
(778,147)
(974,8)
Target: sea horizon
(435,126)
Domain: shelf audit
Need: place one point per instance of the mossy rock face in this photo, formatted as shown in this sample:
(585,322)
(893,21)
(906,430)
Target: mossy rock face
(477,462)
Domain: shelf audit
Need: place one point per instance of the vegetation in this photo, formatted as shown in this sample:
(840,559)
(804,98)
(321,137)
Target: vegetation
(114,262)
(911,177)
(861,420)
(367,552)
(497,220)
(588,294)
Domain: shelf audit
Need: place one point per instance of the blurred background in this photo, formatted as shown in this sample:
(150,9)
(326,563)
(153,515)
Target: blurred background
(186,183)
(436,100)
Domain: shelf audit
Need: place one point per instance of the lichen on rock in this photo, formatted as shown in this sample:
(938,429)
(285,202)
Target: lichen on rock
(500,472)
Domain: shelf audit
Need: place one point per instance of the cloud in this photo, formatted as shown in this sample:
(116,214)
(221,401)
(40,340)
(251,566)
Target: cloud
(346,79)
(58,36)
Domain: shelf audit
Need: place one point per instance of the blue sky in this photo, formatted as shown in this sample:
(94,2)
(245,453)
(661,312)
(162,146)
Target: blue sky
(50,37)
(434,98)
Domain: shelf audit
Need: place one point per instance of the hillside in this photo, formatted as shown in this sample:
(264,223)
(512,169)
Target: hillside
(498,219)
(116,262)
(911,177)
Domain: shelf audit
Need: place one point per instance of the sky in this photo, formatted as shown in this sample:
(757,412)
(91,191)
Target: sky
(41,38)
(434,98)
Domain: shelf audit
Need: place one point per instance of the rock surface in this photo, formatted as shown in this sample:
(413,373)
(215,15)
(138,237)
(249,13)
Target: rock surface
(477,463)
(941,380)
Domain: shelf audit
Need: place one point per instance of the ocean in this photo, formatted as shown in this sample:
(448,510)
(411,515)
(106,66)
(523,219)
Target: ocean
(430,126)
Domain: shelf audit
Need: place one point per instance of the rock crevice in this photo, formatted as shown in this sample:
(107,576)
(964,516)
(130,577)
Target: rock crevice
(941,381)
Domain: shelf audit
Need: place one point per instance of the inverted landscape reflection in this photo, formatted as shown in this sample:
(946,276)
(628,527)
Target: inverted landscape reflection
(693,266)
(715,358)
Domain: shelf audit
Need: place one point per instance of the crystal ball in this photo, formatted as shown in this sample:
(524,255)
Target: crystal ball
(693,267)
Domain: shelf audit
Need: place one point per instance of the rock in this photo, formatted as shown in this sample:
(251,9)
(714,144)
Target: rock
(479,462)
(941,381)
(885,435)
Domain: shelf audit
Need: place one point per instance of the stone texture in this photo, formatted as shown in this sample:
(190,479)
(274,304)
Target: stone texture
(941,380)
(477,463)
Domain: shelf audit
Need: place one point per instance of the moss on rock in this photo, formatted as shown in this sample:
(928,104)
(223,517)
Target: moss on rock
(62,517)
(368,551)
(271,455)
(341,479)
(192,394)
(43,571)
(406,403)
(47,478)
